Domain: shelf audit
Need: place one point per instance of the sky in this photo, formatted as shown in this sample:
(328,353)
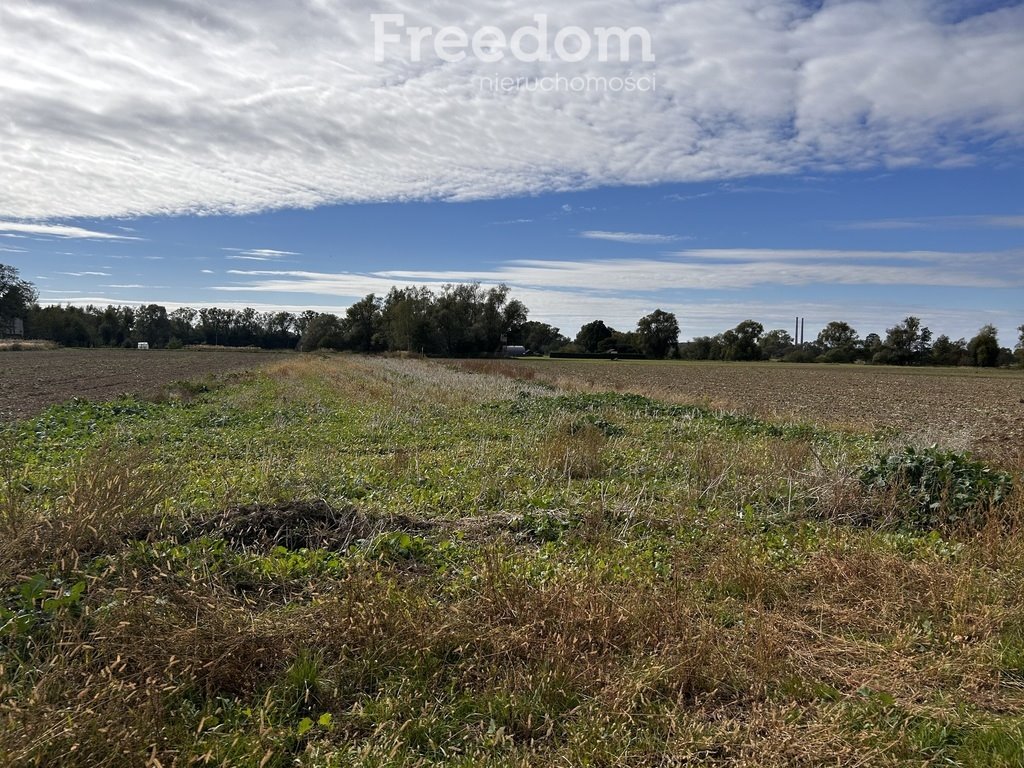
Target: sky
(844,159)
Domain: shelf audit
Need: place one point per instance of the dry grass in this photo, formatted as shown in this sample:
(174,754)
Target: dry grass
(692,602)
(573,668)
(572,449)
(9,345)
(113,496)
(505,368)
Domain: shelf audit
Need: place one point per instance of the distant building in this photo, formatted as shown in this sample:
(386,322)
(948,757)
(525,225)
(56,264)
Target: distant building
(513,351)
(12,328)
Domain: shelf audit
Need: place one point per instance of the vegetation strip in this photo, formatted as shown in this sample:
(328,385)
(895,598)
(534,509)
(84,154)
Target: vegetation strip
(370,561)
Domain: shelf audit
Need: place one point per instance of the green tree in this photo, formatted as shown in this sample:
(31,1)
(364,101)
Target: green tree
(872,344)
(1020,347)
(16,295)
(622,342)
(246,327)
(279,330)
(837,335)
(514,320)
(659,333)
(947,352)
(363,324)
(407,319)
(492,320)
(983,349)
(838,342)
(741,343)
(322,332)
(541,338)
(775,344)
(905,344)
(702,348)
(115,325)
(592,334)
(183,324)
(455,312)
(214,323)
(152,325)
(70,326)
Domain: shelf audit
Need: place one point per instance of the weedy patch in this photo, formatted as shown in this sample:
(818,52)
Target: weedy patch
(105,499)
(184,391)
(934,489)
(542,526)
(346,560)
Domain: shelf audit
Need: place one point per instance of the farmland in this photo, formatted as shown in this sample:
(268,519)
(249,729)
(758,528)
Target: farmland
(30,381)
(982,410)
(342,560)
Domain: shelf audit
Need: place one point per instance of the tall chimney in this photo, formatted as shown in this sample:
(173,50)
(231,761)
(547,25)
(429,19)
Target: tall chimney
(802,319)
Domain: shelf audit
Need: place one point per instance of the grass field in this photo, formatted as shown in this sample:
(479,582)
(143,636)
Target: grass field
(340,561)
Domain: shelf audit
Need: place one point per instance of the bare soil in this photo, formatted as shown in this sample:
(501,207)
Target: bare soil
(981,410)
(32,380)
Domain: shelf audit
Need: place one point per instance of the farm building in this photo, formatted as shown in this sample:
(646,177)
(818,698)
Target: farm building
(513,351)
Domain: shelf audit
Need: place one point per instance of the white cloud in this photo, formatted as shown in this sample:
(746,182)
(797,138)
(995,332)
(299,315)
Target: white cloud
(118,108)
(569,293)
(258,254)
(53,230)
(628,237)
(85,274)
(940,222)
(739,269)
(700,269)
(173,304)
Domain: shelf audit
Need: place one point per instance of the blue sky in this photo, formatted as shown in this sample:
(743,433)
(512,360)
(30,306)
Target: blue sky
(845,160)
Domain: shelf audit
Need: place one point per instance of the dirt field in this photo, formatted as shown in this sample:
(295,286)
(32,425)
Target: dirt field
(30,381)
(967,408)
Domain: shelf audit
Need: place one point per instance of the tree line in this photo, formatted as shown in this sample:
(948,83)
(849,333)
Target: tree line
(458,320)
(467,320)
(906,343)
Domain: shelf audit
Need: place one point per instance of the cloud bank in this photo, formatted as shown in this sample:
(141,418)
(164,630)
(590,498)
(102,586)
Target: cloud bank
(115,108)
(65,232)
(704,287)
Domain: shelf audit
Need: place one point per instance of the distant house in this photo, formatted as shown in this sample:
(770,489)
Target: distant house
(513,351)
(12,328)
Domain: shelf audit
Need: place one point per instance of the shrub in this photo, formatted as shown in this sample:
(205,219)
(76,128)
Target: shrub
(931,488)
